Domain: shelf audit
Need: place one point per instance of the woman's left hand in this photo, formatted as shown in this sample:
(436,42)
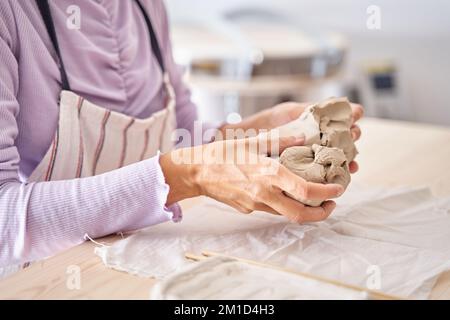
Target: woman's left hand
(289,111)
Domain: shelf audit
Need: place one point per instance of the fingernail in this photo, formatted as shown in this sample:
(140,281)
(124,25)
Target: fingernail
(340,190)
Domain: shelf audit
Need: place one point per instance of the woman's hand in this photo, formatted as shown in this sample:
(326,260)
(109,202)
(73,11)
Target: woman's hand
(241,174)
(289,111)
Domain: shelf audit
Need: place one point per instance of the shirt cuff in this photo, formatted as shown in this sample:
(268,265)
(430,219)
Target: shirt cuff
(173,211)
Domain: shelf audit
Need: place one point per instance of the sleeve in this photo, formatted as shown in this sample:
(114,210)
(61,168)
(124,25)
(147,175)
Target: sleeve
(186,110)
(39,219)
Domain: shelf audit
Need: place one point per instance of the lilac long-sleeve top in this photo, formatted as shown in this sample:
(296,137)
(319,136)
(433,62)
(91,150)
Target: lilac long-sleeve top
(109,62)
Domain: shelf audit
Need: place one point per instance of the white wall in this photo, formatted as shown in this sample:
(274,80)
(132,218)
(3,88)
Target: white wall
(415,34)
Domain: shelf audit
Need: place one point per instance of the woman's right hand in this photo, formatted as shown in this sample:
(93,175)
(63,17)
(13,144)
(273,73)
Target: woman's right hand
(241,174)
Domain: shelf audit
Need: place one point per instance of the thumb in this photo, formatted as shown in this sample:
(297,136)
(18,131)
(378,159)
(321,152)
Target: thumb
(274,145)
(291,141)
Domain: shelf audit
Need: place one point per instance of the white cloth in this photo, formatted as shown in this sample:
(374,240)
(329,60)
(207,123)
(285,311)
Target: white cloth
(405,234)
(226,278)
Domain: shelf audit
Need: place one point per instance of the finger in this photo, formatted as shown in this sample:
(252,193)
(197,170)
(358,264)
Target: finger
(356,132)
(285,142)
(272,144)
(300,188)
(357,111)
(353,167)
(298,212)
(249,206)
(286,206)
(265,208)
(247,209)
(327,208)
(240,208)
(296,109)
(315,214)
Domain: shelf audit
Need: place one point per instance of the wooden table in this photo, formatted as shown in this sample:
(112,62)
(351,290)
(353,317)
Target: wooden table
(392,153)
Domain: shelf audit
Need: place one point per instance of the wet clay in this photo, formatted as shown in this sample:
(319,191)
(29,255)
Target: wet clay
(317,164)
(329,145)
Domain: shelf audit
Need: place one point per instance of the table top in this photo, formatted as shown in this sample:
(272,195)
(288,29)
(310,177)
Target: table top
(392,153)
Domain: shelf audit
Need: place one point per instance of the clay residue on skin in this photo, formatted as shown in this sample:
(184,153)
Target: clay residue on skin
(329,146)
(317,164)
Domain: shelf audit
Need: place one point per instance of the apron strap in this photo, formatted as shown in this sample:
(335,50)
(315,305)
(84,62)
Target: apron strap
(153,40)
(44,9)
(46,14)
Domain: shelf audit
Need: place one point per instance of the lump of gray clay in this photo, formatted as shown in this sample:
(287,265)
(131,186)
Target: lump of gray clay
(326,123)
(329,145)
(317,164)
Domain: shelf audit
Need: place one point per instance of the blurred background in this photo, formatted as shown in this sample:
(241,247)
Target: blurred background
(245,55)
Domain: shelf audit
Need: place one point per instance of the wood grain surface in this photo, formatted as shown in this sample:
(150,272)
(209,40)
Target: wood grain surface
(392,153)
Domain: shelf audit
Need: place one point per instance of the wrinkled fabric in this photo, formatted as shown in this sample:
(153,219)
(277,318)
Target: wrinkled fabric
(403,235)
(227,278)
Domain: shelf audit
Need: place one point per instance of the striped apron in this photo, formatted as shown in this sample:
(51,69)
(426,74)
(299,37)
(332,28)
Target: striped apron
(92,140)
